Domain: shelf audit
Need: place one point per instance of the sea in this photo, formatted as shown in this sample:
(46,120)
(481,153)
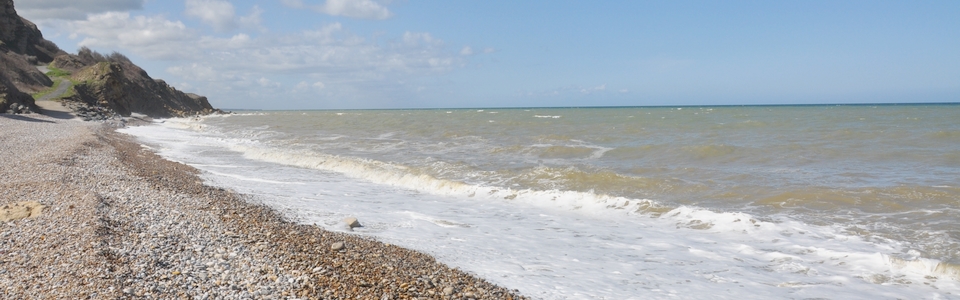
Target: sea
(713,202)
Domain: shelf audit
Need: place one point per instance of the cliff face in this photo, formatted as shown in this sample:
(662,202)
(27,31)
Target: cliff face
(125,88)
(21,47)
(22,36)
(112,82)
(22,73)
(13,99)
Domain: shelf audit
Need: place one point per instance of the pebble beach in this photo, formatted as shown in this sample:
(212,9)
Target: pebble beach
(87,213)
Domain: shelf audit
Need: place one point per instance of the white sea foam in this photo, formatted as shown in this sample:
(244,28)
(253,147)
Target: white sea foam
(557,244)
(395,175)
(246,178)
(232,114)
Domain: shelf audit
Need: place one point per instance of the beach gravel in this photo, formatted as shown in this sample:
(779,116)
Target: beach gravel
(116,221)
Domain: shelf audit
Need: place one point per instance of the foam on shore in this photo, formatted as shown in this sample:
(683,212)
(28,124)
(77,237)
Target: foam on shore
(122,222)
(558,244)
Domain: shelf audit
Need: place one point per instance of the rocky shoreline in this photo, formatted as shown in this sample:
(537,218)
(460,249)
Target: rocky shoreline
(120,223)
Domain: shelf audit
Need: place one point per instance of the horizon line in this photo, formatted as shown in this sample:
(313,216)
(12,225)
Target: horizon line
(612,106)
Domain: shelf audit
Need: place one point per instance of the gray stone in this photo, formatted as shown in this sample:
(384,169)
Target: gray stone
(352,222)
(337,246)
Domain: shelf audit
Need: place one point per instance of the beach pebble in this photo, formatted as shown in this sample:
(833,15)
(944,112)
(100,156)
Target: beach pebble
(352,222)
(169,236)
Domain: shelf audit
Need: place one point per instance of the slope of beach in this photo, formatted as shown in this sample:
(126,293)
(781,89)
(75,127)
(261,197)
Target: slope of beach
(120,222)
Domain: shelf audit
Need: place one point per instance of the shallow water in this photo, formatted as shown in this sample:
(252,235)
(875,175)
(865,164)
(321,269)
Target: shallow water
(832,202)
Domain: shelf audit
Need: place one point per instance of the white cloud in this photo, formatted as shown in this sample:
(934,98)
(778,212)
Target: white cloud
(40,10)
(304,86)
(328,62)
(194,72)
(599,88)
(221,15)
(153,37)
(466,51)
(267,83)
(362,9)
(420,38)
(238,41)
(219,81)
(325,35)
(252,20)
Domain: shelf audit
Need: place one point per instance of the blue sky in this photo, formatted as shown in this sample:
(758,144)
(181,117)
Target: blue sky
(331,54)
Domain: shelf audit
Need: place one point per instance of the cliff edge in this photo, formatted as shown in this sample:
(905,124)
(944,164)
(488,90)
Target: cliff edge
(112,83)
(115,83)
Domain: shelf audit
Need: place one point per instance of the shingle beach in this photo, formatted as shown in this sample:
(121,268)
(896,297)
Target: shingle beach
(90,214)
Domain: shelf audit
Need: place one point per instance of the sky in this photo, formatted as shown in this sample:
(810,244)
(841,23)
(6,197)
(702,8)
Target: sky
(362,54)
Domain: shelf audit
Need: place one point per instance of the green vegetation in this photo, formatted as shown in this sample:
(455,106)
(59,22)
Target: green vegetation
(88,55)
(56,84)
(70,91)
(103,64)
(54,72)
(59,77)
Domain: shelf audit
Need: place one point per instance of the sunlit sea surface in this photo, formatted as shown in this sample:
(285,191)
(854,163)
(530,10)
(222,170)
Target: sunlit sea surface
(755,202)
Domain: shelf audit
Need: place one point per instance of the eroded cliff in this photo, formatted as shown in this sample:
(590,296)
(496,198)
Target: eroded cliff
(112,82)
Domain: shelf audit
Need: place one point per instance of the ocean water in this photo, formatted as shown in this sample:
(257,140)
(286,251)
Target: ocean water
(754,202)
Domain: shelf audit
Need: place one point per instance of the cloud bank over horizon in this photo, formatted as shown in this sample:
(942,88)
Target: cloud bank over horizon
(295,54)
(250,62)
